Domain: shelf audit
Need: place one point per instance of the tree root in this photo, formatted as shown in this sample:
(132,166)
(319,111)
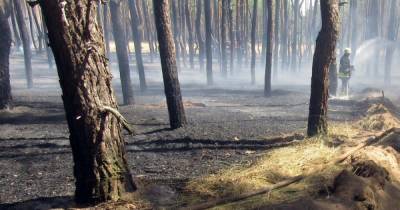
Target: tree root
(130,128)
(370,141)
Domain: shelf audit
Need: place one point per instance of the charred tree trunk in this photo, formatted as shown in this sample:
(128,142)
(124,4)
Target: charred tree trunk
(270,46)
(190,32)
(172,89)
(26,41)
(16,35)
(5,46)
(198,34)
(175,20)
(253,42)
(100,167)
(231,36)
(135,24)
(148,26)
(285,36)
(277,37)
(121,45)
(296,14)
(323,55)
(224,16)
(207,14)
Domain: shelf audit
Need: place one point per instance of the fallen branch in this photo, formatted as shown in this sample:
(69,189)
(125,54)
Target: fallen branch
(287,182)
(245,195)
(130,128)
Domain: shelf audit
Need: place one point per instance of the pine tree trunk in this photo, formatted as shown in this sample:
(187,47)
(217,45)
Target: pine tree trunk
(175,24)
(16,35)
(224,16)
(285,37)
(100,167)
(190,32)
(135,23)
(148,26)
(323,56)
(172,89)
(198,34)
(121,45)
(253,43)
(26,41)
(207,14)
(231,36)
(296,10)
(277,37)
(5,46)
(270,46)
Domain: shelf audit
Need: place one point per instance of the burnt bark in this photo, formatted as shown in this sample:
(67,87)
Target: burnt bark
(270,46)
(172,89)
(26,41)
(207,14)
(295,35)
(190,33)
(121,45)
(199,36)
(100,167)
(5,46)
(224,16)
(135,24)
(276,37)
(323,56)
(253,42)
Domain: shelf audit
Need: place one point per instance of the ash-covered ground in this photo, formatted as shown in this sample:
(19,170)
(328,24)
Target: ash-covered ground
(227,127)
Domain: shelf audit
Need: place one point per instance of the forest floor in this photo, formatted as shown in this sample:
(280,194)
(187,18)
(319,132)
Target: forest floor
(229,128)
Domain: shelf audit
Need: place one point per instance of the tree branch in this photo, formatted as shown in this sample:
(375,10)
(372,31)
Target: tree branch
(130,128)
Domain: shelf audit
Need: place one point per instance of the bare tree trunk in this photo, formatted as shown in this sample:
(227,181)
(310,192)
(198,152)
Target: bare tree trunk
(49,54)
(207,14)
(270,46)
(296,10)
(285,36)
(323,55)
(106,29)
(231,36)
(190,32)
(26,41)
(277,38)
(5,46)
(100,167)
(121,44)
(17,37)
(176,30)
(253,42)
(172,89)
(148,26)
(135,24)
(198,34)
(224,16)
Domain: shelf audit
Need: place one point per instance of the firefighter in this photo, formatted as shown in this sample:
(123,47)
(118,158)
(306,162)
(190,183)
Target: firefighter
(345,71)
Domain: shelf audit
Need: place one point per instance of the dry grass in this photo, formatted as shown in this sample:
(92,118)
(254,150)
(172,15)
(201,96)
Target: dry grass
(276,165)
(378,118)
